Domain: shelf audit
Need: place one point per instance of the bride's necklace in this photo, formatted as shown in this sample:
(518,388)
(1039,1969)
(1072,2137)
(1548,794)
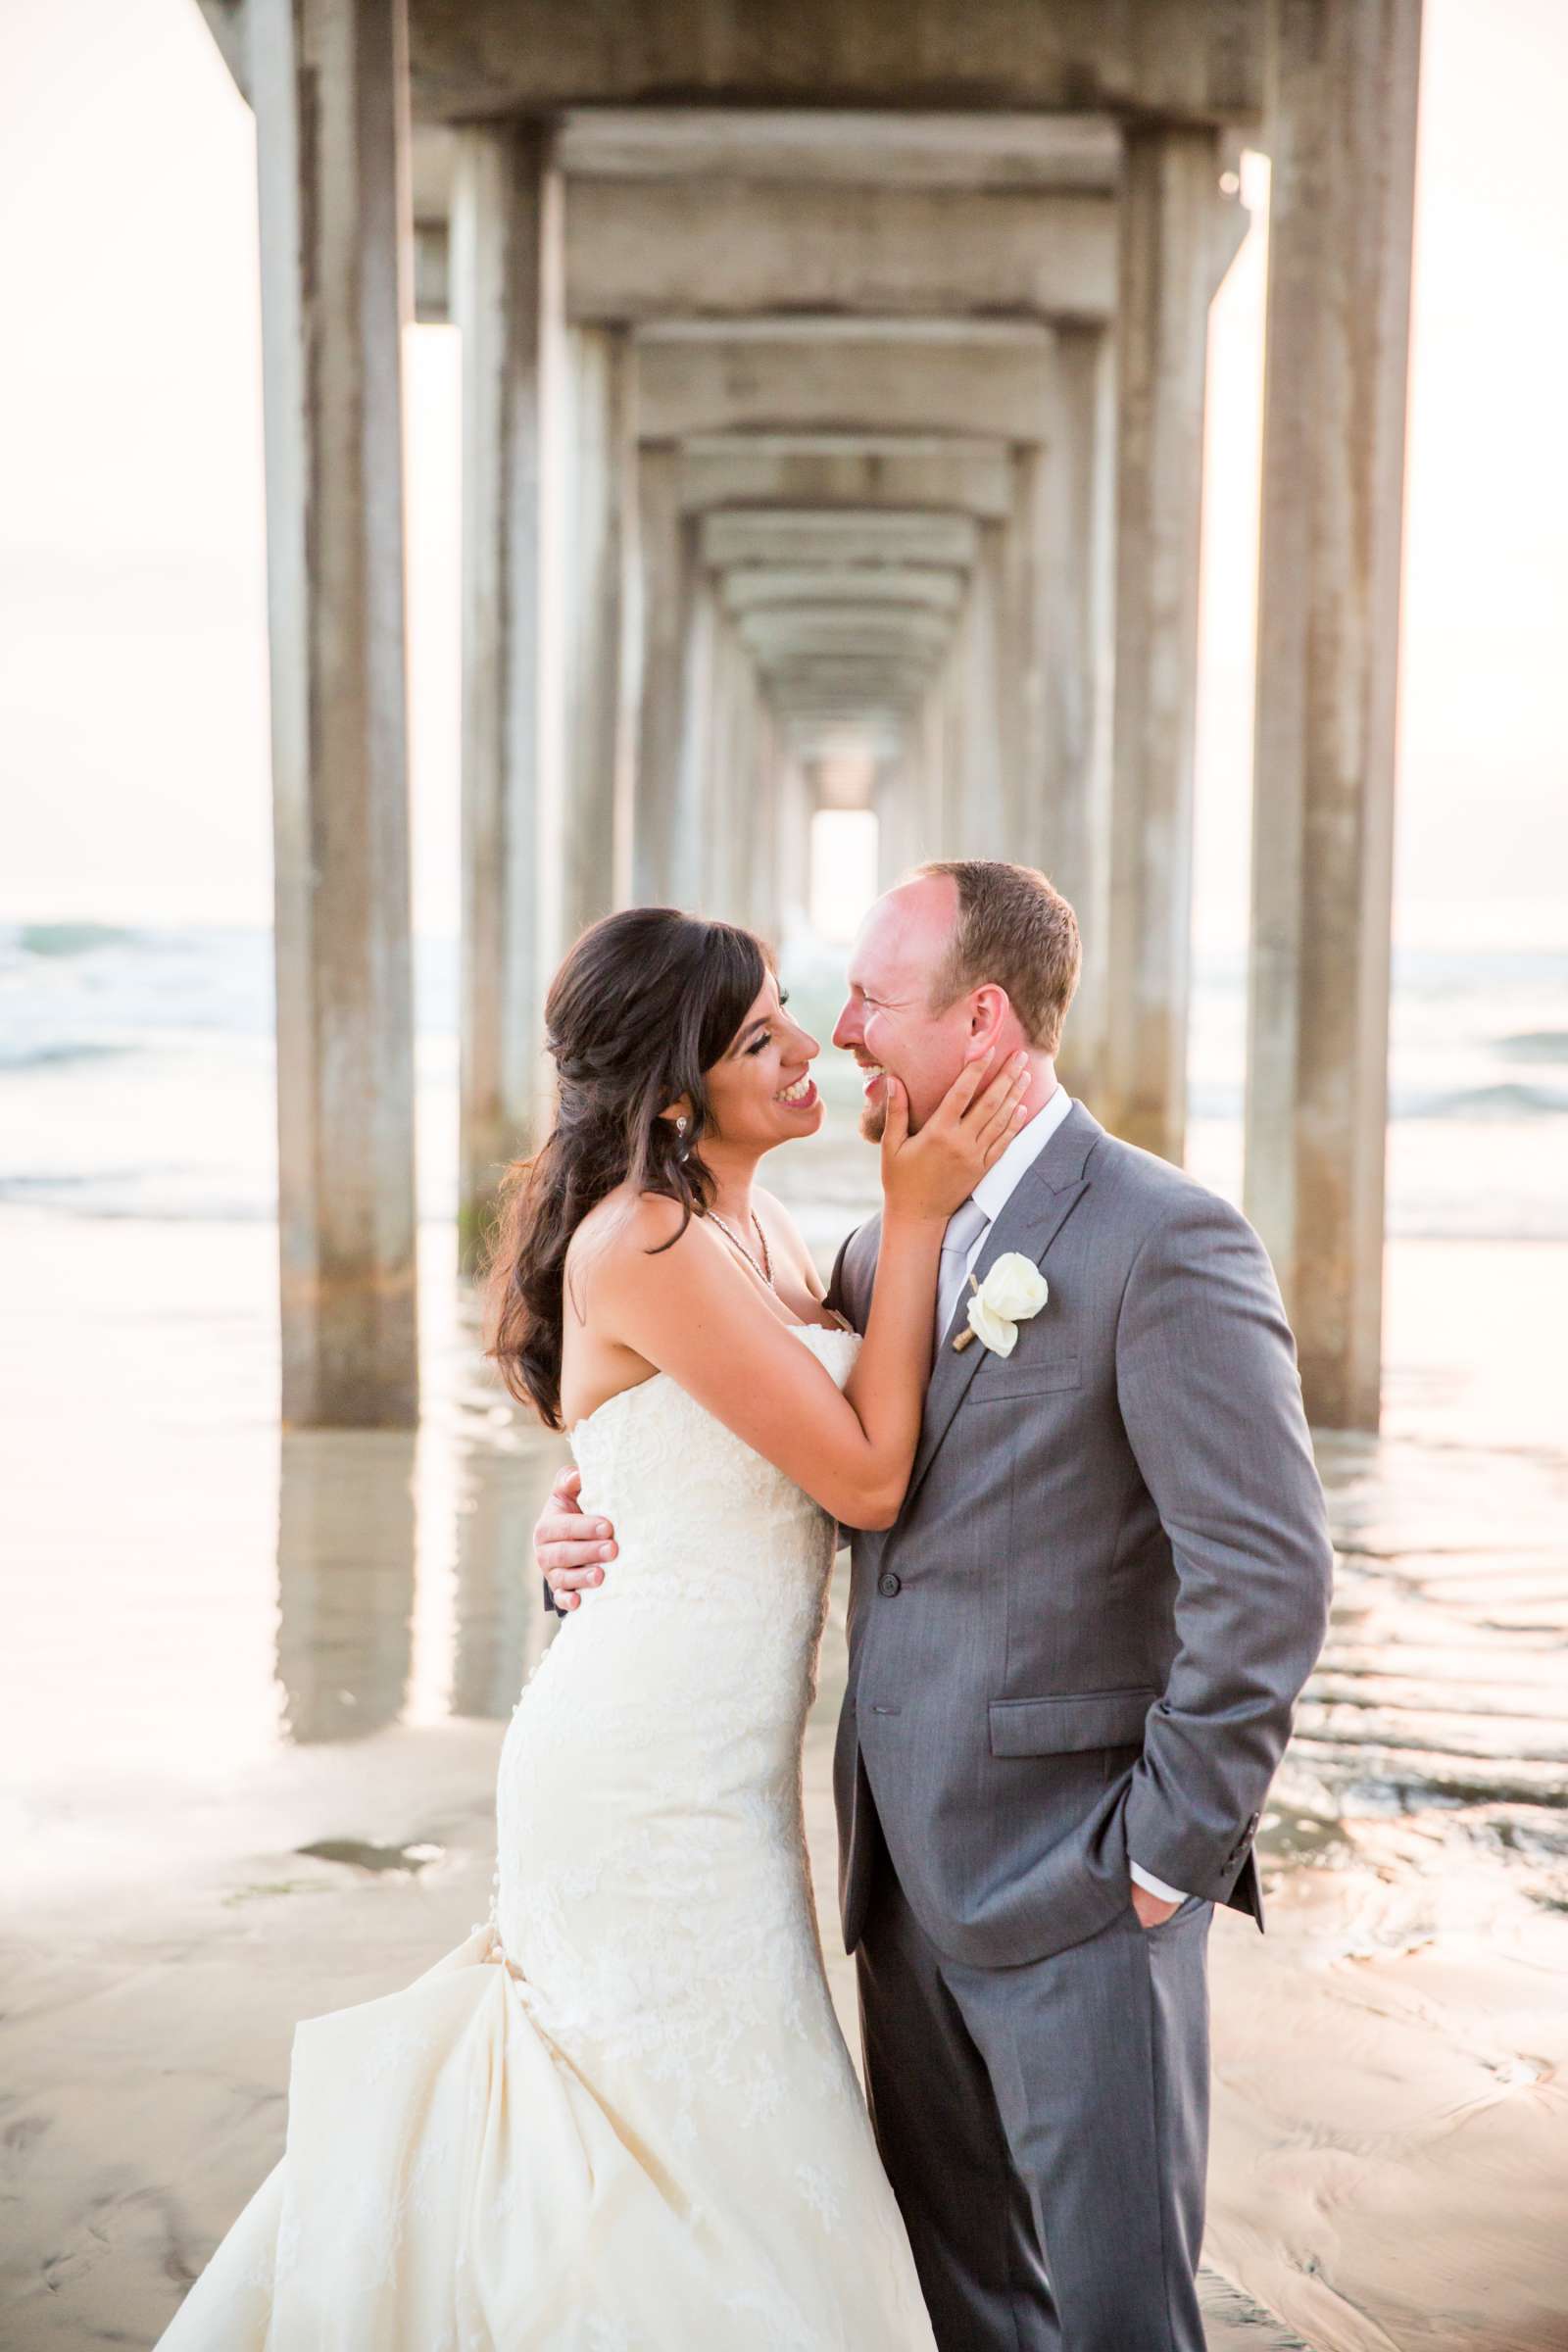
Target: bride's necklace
(764,1266)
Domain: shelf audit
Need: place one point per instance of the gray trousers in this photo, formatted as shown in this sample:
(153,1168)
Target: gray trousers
(1046,2130)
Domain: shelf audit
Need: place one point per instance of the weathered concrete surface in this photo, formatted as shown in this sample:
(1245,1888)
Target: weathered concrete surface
(828,535)
(1169,194)
(598,460)
(657,249)
(1340,229)
(506,270)
(893,472)
(1198,59)
(331,148)
(844,148)
(967,382)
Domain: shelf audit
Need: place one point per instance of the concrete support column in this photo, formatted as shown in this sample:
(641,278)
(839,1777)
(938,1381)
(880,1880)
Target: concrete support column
(506,226)
(1343,140)
(690,821)
(667,561)
(600,541)
(931,756)
(1077,539)
(329,85)
(982,809)
(890,800)
(1166,279)
(796,808)
(953,841)
(765,897)
(737,801)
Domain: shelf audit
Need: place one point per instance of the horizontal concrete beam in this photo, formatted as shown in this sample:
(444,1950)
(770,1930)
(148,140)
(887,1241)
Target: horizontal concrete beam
(829,535)
(832,327)
(882,681)
(774,635)
(652,249)
(977,479)
(996,389)
(858,149)
(750,588)
(858,446)
(870,735)
(1199,60)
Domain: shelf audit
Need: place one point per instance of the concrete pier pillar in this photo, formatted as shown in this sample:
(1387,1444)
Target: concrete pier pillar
(329,85)
(931,772)
(690,818)
(1070,793)
(667,558)
(599,539)
(1166,273)
(765,896)
(898,815)
(982,805)
(796,808)
(506,225)
(737,811)
(1343,143)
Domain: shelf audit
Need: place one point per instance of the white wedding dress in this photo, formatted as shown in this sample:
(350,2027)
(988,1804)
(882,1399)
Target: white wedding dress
(620,2115)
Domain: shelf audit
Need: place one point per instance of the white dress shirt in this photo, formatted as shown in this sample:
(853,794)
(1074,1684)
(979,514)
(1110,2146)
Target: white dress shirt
(991,1195)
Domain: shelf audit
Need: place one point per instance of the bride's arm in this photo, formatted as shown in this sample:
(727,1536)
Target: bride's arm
(692,1310)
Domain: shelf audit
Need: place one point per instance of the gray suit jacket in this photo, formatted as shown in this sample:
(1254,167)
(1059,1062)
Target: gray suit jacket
(1084,1636)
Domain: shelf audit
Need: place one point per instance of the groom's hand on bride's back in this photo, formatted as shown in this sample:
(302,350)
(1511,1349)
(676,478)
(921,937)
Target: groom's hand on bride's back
(571,1548)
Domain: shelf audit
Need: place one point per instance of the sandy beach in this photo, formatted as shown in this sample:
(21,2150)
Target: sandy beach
(254,1686)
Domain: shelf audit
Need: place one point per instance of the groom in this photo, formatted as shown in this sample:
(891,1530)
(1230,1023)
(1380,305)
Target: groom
(1072,1666)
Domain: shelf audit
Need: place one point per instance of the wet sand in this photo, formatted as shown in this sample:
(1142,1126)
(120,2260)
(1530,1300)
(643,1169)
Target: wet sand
(228,1646)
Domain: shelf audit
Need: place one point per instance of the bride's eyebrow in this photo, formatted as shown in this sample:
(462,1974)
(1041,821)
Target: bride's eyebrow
(761,1022)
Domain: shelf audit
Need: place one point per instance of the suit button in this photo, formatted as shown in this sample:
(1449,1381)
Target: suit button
(887,1584)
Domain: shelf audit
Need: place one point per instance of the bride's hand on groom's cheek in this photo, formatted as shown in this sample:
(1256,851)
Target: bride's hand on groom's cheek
(571,1548)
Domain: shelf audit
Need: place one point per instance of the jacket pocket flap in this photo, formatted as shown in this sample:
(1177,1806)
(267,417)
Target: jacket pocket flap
(1060,1727)
(1024,1374)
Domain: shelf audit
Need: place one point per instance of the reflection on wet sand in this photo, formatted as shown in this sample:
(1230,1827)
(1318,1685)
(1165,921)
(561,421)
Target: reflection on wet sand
(1392,2128)
(345,1580)
(253,1688)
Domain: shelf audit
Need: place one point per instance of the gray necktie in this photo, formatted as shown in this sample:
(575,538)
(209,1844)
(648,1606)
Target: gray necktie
(964,1228)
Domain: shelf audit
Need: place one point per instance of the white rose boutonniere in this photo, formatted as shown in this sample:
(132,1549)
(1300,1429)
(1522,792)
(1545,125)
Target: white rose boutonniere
(1012,1294)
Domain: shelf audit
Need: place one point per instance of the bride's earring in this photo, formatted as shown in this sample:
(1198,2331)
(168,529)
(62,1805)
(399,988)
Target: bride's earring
(680,1126)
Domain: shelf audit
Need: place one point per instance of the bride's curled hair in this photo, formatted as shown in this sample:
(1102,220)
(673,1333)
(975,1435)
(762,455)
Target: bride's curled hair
(644,1002)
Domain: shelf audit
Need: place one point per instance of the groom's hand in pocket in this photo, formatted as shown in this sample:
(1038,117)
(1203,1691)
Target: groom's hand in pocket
(571,1548)
(1153,1909)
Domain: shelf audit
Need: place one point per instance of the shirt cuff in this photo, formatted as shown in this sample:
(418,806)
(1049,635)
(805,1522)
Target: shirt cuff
(1152,1886)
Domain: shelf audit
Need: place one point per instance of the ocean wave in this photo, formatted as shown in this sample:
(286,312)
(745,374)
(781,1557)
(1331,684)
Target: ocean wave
(1536,1045)
(51,1053)
(78,939)
(1510,1099)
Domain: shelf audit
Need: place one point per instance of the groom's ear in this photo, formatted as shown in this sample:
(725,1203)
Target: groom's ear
(989,1008)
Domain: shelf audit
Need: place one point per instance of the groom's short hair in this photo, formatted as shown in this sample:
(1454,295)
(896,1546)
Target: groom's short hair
(1016,932)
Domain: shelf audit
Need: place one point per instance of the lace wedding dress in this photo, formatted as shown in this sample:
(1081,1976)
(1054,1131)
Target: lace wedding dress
(620,2115)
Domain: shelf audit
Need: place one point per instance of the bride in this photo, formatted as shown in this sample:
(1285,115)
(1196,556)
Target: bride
(621,2114)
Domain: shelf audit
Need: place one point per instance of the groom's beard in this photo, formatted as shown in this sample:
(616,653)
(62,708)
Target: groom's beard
(874,1119)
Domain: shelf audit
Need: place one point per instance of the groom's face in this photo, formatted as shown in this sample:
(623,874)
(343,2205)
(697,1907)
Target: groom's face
(888,1021)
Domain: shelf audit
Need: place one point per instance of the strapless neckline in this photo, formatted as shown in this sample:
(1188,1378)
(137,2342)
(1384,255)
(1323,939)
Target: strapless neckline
(830,1331)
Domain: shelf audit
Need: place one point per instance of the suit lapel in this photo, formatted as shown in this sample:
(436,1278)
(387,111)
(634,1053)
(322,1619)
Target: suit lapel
(1046,1197)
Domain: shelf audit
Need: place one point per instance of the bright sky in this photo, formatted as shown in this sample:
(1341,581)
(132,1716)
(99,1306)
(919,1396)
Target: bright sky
(133,756)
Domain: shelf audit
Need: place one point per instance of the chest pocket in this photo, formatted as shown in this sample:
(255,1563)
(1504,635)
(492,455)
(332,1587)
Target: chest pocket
(1025,1373)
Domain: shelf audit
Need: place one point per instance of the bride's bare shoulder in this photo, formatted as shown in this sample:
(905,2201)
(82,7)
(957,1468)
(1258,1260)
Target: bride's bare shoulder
(626,1226)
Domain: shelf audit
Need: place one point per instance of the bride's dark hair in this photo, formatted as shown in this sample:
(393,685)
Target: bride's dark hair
(645,1004)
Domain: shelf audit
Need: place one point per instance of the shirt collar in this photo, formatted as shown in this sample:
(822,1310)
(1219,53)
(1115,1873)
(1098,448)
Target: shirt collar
(1001,1181)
